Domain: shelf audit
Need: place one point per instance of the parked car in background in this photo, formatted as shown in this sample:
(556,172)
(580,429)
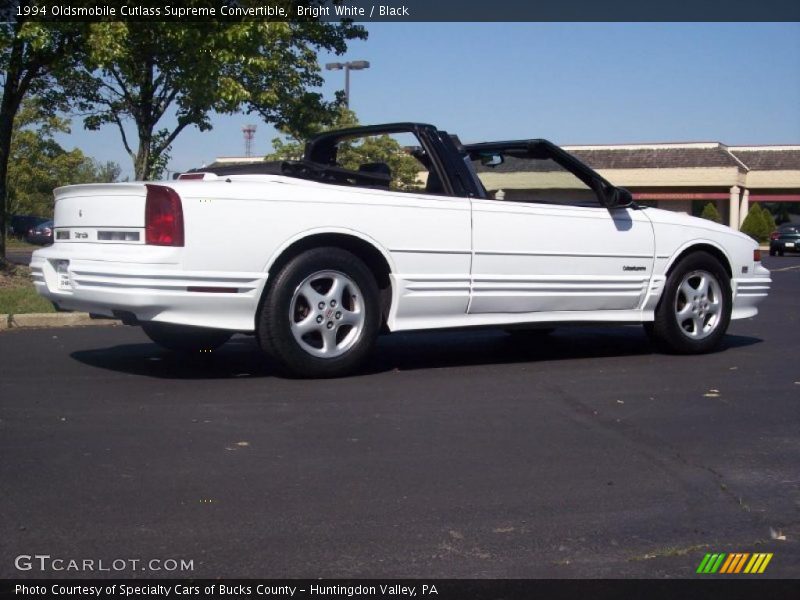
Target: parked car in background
(19,225)
(785,239)
(340,252)
(41,234)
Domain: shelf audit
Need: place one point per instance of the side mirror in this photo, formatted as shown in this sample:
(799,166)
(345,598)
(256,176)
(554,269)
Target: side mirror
(618,197)
(491,160)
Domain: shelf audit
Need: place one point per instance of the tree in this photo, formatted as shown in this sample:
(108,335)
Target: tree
(39,164)
(147,74)
(34,59)
(711,213)
(755,224)
(378,148)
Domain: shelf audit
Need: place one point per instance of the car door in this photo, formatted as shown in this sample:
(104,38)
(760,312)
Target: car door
(544,243)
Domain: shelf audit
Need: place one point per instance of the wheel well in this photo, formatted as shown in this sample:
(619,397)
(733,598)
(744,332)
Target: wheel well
(368,253)
(712,250)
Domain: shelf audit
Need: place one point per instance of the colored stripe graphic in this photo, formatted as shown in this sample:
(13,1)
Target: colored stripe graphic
(737,557)
(718,564)
(731,563)
(714,563)
(727,564)
(734,563)
(740,564)
(755,562)
(765,563)
(703,563)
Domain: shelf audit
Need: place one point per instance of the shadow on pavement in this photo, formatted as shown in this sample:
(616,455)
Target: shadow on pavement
(241,357)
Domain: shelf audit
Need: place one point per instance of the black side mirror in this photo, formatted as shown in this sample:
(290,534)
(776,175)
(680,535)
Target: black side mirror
(618,197)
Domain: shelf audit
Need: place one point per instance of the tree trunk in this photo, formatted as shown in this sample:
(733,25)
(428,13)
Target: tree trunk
(12,96)
(6,121)
(141,165)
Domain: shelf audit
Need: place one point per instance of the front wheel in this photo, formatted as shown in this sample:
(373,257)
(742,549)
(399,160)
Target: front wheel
(695,309)
(185,339)
(321,314)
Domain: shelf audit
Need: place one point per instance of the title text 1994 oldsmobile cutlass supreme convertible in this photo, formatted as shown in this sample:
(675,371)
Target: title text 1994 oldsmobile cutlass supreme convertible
(317,256)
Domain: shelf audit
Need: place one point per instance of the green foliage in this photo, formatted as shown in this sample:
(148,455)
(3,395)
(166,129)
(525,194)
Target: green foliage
(753,224)
(17,293)
(377,148)
(769,222)
(39,164)
(711,213)
(35,58)
(138,75)
(22,298)
(756,224)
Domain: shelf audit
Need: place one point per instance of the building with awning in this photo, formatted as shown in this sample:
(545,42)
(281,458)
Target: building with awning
(674,176)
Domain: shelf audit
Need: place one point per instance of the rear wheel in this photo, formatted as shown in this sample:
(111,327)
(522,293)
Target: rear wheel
(185,339)
(321,314)
(695,310)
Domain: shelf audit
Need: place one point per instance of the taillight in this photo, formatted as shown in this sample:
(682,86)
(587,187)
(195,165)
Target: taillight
(757,255)
(163,217)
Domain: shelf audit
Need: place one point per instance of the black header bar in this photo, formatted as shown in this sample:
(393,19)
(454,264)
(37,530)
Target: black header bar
(733,588)
(404,11)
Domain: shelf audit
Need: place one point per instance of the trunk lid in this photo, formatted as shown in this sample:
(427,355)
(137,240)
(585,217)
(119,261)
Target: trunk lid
(100,213)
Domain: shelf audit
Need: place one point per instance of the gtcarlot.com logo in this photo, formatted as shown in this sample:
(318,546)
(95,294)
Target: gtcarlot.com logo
(734,563)
(48,563)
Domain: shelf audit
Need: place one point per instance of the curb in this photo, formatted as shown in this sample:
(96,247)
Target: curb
(30,320)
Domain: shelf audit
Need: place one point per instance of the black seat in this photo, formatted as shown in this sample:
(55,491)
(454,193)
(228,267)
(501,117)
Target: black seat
(377,175)
(377,168)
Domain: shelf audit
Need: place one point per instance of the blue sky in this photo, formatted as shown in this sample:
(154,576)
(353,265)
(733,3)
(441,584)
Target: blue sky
(738,83)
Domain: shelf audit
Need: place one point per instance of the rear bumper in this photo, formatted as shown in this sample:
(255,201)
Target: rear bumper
(785,245)
(749,292)
(155,291)
(39,240)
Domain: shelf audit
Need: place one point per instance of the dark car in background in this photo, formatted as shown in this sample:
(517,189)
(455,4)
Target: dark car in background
(785,239)
(20,225)
(41,234)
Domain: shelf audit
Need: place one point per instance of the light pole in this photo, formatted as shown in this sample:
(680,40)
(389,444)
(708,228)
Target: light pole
(355,65)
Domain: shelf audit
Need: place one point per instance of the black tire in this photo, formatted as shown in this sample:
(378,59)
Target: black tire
(673,334)
(284,307)
(186,339)
(772,252)
(780,252)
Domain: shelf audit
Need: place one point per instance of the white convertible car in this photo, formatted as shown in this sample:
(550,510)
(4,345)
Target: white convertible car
(317,256)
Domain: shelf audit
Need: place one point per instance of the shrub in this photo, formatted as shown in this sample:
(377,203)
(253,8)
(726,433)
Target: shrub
(756,224)
(753,224)
(711,213)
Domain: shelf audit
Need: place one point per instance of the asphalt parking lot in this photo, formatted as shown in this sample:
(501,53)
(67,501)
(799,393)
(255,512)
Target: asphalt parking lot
(461,454)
